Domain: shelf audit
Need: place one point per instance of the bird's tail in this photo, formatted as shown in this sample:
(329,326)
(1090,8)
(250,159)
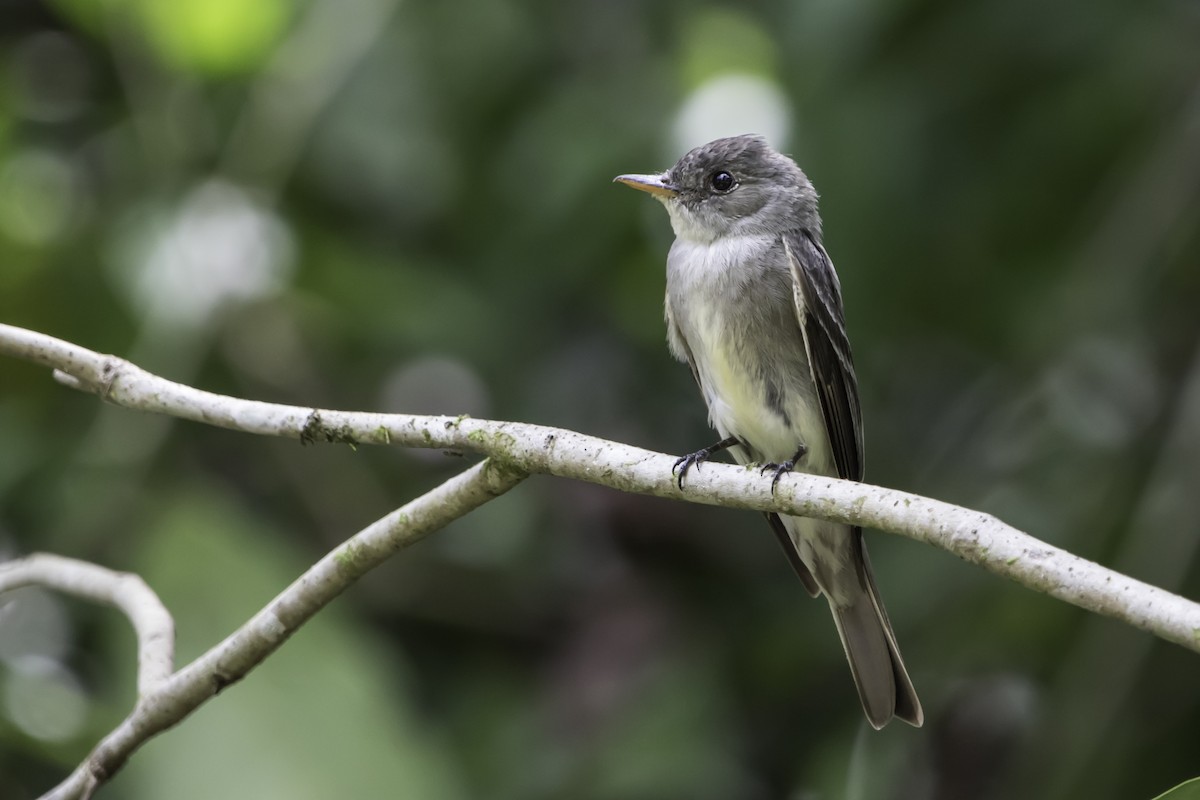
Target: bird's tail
(862,623)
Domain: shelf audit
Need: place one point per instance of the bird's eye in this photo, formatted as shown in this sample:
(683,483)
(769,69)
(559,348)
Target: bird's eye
(722,181)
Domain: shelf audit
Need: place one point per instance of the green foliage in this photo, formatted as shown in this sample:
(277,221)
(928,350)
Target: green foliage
(717,41)
(211,38)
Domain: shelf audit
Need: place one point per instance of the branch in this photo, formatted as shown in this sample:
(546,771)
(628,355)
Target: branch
(150,619)
(973,536)
(174,696)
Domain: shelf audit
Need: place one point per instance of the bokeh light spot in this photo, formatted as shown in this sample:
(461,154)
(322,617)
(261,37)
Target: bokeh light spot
(733,104)
(218,246)
(43,699)
(214,37)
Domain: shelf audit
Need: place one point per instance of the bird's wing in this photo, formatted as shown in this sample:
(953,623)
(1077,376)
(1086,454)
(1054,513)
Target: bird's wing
(793,555)
(819,308)
(678,345)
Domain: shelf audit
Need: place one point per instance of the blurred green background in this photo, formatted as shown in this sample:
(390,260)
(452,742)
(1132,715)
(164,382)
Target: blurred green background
(405,205)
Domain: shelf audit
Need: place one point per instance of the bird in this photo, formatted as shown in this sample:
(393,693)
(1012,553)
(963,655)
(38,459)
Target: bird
(754,307)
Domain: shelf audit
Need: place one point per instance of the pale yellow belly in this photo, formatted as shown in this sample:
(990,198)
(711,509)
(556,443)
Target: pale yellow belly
(737,407)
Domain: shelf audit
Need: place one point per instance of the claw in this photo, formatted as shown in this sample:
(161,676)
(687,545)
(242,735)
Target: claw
(784,468)
(684,463)
(780,471)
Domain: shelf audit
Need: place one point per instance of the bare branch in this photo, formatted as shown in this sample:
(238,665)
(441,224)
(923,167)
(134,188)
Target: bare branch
(151,621)
(515,450)
(978,538)
(973,536)
(175,696)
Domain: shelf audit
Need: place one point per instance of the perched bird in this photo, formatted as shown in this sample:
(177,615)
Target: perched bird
(754,307)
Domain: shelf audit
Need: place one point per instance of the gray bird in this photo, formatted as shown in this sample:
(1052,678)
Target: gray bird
(754,307)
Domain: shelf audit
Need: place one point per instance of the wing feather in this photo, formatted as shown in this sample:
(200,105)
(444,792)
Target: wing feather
(822,321)
(677,344)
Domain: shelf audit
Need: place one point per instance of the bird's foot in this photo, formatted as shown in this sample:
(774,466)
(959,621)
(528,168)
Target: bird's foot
(684,463)
(784,468)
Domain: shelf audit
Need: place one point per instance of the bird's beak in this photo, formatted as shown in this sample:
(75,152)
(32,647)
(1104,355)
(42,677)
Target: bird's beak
(654,184)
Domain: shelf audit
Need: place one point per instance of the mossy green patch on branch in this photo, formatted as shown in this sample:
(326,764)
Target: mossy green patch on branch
(858,504)
(350,559)
(495,443)
(502,475)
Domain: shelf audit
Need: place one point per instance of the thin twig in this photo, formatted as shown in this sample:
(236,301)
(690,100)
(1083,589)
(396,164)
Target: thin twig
(152,623)
(171,700)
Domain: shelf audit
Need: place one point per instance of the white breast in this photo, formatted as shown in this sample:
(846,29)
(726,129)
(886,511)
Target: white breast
(707,283)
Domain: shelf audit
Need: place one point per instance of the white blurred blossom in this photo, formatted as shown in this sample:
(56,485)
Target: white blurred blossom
(218,246)
(731,104)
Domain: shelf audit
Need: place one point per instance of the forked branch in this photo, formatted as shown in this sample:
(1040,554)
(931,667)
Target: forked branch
(514,450)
